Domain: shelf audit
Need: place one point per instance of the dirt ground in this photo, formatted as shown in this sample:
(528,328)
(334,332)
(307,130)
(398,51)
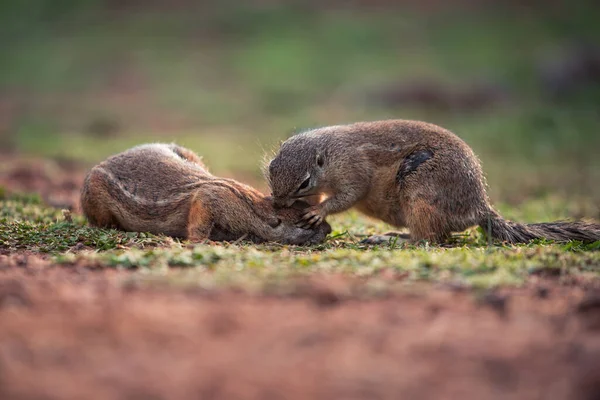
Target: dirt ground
(75,333)
(83,332)
(57,181)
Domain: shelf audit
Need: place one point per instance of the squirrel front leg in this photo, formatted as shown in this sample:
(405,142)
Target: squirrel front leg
(341,201)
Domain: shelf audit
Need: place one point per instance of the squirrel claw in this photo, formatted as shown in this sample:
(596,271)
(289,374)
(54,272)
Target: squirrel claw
(310,219)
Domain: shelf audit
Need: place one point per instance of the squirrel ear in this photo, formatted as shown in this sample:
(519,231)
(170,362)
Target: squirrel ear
(320,160)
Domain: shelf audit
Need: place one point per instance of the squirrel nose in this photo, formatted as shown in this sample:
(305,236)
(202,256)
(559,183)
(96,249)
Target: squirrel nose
(278,203)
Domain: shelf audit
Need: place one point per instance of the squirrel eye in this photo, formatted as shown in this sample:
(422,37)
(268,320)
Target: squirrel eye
(275,223)
(304,184)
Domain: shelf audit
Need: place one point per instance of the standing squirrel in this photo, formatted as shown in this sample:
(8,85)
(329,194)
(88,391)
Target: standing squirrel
(166,189)
(407,173)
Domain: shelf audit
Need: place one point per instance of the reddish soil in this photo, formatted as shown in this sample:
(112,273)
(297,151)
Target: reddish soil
(84,332)
(73,333)
(57,181)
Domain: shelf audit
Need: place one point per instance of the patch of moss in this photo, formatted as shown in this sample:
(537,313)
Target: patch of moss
(469,260)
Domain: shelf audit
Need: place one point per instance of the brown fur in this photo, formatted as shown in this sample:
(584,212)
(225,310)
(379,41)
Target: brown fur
(166,189)
(407,173)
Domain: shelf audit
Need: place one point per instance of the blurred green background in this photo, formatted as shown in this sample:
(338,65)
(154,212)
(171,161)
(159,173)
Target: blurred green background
(519,81)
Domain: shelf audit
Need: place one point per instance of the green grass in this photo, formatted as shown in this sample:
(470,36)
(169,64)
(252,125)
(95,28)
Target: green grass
(256,266)
(26,224)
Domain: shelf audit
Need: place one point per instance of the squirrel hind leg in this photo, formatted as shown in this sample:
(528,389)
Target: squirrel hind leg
(100,216)
(426,222)
(200,222)
(95,201)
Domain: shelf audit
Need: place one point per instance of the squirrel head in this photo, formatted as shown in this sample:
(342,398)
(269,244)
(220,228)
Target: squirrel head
(283,220)
(296,171)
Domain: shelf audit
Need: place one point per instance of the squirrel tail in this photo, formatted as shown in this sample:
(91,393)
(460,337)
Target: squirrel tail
(559,231)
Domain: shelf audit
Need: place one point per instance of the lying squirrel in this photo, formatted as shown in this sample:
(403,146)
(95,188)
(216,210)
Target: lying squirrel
(407,173)
(166,189)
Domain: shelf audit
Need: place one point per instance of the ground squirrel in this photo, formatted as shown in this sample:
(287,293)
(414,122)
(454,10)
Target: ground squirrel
(407,173)
(166,189)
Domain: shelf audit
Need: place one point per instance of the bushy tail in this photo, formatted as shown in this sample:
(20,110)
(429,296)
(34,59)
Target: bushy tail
(559,231)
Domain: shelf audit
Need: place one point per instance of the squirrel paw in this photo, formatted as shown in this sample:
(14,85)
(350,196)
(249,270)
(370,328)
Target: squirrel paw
(311,219)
